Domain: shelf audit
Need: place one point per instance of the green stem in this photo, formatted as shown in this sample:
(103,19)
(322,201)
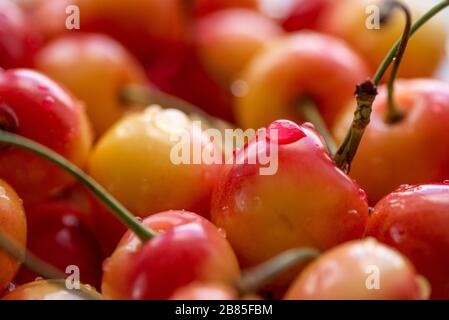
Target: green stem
(366,94)
(126,217)
(311,114)
(257,278)
(394,114)
(40,267)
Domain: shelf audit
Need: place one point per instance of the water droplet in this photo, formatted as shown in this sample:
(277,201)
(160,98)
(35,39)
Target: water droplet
(3,193)
(396,203)
(140,219)
(11,286)
(285,132)
(106,264)
(397,234)
(362,194)
(222,232)
(403,187)
(48,103)
(239,88)
(354,213)
(224,208)
(446,182)
(370,210)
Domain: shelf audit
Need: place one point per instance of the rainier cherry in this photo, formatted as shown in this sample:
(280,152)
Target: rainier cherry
(18,39)
(349,271)
(134,162)
(304,66)
(13,226)
(348,19)
(58,235)
(308,201)
(415,221)
(99,68)
(154,30)
(33,106)
(227,40)
(189,249)
(51,290)
(410,151)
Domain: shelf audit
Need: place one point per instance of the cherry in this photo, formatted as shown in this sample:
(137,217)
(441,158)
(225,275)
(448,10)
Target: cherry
(203,7)
(13,226)
(303,66)
(18,38)
(227,40)
(308,201)
(410,151)
(99,68)
(188,249)
(155,182)
(414,220)
(205,291)
(58,235)
(347,19)
(297,14)
(349,271)
(51,290)
(48,114)
(153,30)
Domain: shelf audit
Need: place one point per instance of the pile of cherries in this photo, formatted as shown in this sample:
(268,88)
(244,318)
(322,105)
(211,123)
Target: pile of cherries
(108,99)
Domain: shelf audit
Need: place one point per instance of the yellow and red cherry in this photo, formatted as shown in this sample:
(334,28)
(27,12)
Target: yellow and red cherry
(161,176)
(306,202)
(152,270)
(13,226)
(153,30)
(359,270)
(295,69)
(227,40)
(410,151)
(100,67)
(205,291)
(58,234)
(18,39)
(51,290)
(415,221)
(357,22)
(295,15)
(34,106)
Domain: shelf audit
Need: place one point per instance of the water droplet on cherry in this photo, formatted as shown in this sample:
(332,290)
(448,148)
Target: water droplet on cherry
(285,132)
(446,182)
(48,103)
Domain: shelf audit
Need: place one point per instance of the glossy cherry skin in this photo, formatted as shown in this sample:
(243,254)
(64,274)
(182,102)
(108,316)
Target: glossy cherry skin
(154,182)
(13,226)
(347,20)
(344,272)
(304,65)
(153,30)
(49,290)
(308,201)
(99,69)
(188,249)
(204,7)
(205,291)
(58,235)
(37,108)
(18,39)
(227,40)
(414,220)
(414,150)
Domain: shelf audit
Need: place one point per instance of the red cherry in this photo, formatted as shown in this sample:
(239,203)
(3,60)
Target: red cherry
(188,249)
(415,221)
(285,132)
(18,39)
(308,201)
(46,113)
(58,235)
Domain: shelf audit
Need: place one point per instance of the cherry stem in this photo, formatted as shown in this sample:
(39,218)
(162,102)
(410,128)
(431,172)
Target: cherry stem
(257,278)
(126,217)
(366,94)
(394,114)
(38,266)
(311,114)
